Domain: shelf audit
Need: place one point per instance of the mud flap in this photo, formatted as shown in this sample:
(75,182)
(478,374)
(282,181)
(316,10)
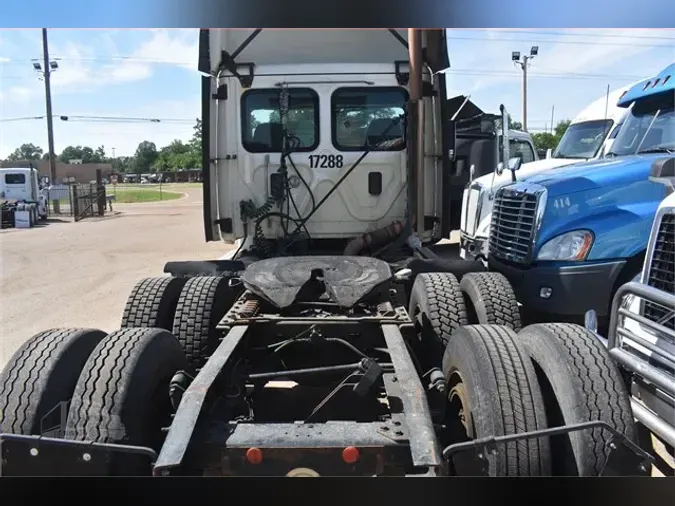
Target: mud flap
(624,458)
(42,456)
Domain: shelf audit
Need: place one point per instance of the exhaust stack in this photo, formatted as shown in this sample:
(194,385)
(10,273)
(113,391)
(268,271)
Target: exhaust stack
(416,120)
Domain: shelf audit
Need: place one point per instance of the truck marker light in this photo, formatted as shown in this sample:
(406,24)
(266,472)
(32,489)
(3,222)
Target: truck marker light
(254,456)
(545,292)
(350,455)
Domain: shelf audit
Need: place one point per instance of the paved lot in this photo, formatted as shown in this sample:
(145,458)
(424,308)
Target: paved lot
(79,274)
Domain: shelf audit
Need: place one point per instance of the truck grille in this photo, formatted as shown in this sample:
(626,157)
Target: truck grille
(662,270)
(513,225)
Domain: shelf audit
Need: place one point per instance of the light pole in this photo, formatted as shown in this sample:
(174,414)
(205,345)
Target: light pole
(522,63)
(49,67)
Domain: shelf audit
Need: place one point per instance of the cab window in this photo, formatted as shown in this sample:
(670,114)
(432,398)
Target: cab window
(15,179)
(521,148)
(261,120)
(368,118)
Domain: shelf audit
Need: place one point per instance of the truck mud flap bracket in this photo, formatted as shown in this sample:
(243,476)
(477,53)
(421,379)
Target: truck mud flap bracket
(43,456)
(625,458)
(184,422)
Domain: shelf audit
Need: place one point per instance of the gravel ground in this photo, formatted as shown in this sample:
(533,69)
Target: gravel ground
(79,274)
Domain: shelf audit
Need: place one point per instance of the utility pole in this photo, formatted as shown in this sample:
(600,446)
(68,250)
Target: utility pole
(49,67)
(515,57)
(552,111)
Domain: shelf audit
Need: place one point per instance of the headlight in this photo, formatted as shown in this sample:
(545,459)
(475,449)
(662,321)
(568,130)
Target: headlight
(570,246)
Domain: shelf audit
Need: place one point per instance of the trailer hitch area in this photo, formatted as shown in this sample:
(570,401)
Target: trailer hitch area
(23,455)
(625,458)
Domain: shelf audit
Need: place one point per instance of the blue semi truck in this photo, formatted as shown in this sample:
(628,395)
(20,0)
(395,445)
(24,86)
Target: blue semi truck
(567,239)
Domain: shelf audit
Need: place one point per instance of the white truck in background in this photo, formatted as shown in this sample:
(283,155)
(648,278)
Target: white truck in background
(589,136)
(21,186)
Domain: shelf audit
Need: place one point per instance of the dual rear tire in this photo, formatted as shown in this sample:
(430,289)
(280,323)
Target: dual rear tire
(502,379)
(82,384)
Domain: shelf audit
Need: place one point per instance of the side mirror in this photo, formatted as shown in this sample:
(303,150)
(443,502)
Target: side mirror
(500,168)
(663,172)
(515,163)
(549,153)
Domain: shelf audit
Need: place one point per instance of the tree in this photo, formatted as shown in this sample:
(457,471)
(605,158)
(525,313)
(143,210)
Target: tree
(544,140)
(146,155)
(26,152)
(515,125)
(84,153)
(122,164)
(561,128)
(99,155)
(171,157)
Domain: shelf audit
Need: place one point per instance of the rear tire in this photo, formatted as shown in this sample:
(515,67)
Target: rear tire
(580,383)
(203,302)
(491,299)
(152,303)
(486,369)
(122,395)
(40,376)
(437,303)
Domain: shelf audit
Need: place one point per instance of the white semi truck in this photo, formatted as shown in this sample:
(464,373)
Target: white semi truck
(20,185)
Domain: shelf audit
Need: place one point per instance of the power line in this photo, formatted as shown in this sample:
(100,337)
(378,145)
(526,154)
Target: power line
(539,41)
(564,34)
(102,119)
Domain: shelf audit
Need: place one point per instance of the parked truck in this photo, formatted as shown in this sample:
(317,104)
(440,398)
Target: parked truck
(333,342)
(641,335)
(589,136)
(19,186)
(568,239)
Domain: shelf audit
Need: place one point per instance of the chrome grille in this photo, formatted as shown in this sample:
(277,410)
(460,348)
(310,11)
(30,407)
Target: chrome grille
(514,223)
(662,270)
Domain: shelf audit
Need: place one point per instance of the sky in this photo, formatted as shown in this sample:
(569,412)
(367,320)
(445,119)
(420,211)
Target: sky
(152,74)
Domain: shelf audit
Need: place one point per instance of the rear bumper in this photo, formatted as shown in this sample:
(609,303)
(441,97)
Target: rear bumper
(574,289)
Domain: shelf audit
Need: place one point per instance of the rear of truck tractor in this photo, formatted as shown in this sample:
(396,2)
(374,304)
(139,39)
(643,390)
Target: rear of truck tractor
(321,364)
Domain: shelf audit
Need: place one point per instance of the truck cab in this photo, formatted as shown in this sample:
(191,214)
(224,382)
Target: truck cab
(567,239)
(21,185)
(479,148)
(589,136)
(305,138)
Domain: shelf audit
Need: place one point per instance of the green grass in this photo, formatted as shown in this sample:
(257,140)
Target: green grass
(137,195)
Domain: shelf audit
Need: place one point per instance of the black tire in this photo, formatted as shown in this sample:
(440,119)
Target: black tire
(202,304)
(437,298)
(491,299)
(122,395)
(152,303)
(501,387)
(40,376)
(580,383)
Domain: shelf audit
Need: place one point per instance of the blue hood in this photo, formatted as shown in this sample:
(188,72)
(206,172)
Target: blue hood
(619,171)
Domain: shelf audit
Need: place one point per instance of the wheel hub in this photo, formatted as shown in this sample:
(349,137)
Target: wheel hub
(459,397)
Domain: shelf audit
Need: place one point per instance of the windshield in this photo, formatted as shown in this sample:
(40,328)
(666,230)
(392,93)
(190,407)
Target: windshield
(646,131)
(583,140)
